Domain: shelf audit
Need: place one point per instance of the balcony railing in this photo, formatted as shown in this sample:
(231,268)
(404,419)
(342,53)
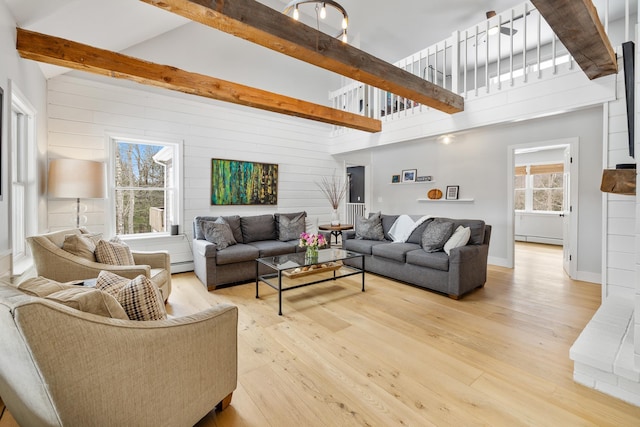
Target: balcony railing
(512,48)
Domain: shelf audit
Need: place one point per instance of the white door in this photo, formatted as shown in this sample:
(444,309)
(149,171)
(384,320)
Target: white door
(566,214)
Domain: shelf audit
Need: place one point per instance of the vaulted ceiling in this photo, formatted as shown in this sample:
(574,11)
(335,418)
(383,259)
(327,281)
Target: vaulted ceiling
(390,30)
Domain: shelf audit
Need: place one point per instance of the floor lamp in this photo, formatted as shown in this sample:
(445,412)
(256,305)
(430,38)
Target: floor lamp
(76,179)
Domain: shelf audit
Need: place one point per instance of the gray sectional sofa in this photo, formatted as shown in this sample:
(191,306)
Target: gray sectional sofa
(255,237)
(464,269)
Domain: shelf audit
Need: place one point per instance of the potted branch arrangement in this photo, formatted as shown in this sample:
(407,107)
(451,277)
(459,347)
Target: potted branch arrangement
(334,190)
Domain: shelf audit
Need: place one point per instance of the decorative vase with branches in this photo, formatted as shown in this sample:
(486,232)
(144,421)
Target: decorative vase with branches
(334,190)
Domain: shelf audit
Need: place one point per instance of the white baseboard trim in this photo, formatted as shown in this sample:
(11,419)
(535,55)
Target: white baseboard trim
(588,276)
(500,262)
(182,267)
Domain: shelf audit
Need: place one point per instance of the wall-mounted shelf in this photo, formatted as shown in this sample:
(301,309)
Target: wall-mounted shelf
(411,183)
(446,200)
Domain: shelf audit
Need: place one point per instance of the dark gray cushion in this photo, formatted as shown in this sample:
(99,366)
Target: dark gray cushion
(387,223)
(290,228)
(436,235)
(394,251)
(416,234)
(437,260)
(237,253)
(273,247)
(369,228)
(362,246)
(477,227)
(258,227)
(218,232)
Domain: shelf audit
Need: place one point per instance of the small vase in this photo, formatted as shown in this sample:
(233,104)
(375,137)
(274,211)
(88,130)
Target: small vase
(335,217)
(311,255)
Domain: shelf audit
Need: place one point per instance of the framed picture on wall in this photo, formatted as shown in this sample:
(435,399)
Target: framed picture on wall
(395,179)
(237,182)
(409,175)
(452,192)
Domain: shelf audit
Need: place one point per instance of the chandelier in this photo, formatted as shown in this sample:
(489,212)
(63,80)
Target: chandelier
(321,13)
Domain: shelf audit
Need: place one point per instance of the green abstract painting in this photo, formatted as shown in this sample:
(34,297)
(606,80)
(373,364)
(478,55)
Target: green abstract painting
(235,182)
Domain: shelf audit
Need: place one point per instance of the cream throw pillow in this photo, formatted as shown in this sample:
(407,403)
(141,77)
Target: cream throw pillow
(89,300)
(41,286)
(140,298)
(459,238)
(82,245)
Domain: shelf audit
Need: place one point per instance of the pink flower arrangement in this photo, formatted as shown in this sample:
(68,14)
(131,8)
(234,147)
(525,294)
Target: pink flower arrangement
(313,240)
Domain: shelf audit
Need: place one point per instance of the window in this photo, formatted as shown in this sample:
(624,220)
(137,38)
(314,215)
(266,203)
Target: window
(520,187)
(539,188)
(24,182)
(146,186)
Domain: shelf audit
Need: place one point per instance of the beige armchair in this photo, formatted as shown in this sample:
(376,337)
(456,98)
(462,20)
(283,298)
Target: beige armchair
(52,262)
(60,366)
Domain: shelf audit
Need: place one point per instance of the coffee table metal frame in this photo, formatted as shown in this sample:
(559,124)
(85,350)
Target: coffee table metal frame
(282,263)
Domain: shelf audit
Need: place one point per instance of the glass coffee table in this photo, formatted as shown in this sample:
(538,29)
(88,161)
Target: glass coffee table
(292,271)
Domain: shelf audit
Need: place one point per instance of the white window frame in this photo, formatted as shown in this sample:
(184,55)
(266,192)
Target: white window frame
(23,175)
(177,208)
(528,191)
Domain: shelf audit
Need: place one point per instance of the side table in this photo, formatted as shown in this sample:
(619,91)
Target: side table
(336,230)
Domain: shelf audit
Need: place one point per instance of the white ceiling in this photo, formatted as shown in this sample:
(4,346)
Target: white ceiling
(390,30)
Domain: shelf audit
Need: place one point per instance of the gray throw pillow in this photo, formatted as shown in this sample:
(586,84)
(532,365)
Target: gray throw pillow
(291,228)
(436,235)
(369,228)
(219,233)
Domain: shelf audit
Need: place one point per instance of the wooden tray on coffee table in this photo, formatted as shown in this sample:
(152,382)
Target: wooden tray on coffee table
(292,274)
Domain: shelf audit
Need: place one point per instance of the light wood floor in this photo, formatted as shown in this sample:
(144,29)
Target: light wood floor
(398,355)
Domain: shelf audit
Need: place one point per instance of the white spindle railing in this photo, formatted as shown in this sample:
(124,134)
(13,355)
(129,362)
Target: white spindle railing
(475,62)
(354,210)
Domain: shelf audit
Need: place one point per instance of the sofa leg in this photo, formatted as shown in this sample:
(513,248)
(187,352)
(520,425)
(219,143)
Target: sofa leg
(455,297)
(222,405)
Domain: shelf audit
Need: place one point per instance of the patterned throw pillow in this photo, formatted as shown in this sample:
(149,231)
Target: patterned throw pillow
(219,233)
(114,253)
(369,228)
(140,298)
(291,228)
(436,235)
(82,245)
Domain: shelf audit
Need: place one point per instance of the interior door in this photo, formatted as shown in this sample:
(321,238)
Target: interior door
(566,214)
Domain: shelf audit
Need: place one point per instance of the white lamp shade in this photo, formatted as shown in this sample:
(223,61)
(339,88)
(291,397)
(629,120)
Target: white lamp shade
(76,179)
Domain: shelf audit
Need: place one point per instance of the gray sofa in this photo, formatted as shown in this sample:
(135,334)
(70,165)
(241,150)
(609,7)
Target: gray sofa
(463,270)
(256,236)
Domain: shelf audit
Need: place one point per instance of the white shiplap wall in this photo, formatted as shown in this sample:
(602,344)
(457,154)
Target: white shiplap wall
(618,264)
(82,114)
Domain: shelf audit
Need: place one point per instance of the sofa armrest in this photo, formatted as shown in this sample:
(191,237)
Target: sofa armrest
(191,359)
(349,234)
(155,259)
(467,268)
(204,248)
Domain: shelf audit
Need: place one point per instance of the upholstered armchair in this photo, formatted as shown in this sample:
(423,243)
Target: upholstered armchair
(63,367)
(53,262)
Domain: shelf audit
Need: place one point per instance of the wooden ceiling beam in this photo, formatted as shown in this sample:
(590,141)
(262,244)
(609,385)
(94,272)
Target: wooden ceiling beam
(255,22)
(65,53)
(578,27)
